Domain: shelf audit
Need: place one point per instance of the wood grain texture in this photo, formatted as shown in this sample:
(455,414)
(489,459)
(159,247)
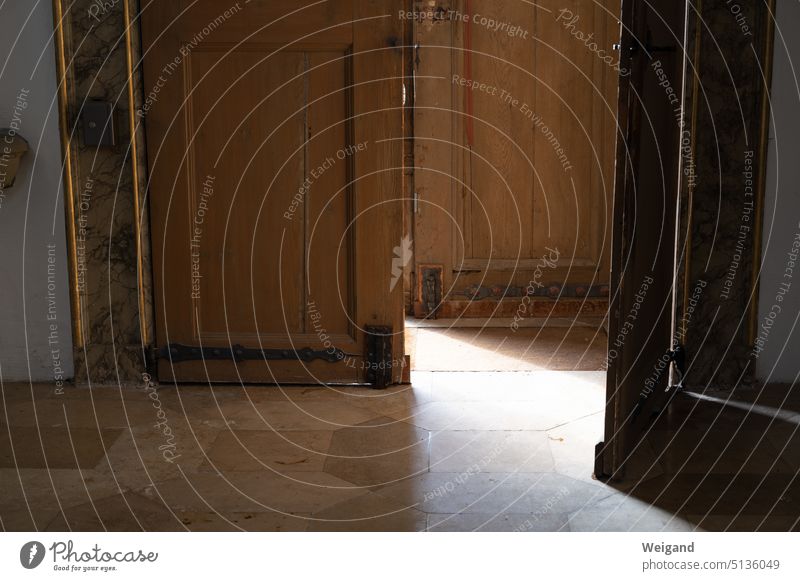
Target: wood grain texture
(275,151)
(538,173)
(645,208)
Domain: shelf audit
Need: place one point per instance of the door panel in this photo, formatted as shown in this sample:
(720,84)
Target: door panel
(231,240)
(499,159)
(514,154)
(645,209)
(274,144)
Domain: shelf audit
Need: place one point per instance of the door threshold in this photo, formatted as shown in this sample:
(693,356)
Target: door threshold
(499,322)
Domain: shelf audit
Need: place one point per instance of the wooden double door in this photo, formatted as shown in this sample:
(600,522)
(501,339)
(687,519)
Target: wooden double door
(274,139)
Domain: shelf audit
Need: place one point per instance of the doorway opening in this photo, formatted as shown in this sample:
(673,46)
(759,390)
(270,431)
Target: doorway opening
(507,233)
(525,154)
(508,220)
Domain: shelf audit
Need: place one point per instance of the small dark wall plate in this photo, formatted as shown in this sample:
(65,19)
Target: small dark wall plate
(98,124)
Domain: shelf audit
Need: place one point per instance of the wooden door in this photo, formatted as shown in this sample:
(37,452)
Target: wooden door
(274,138)
(514,154)
(642,330)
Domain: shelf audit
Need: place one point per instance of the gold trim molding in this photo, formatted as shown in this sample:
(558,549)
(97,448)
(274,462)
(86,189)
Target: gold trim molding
(143,328)
(69,192)
(761,184)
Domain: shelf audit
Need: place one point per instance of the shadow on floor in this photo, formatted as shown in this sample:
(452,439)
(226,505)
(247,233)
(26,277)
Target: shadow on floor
(727,461)
(453,451)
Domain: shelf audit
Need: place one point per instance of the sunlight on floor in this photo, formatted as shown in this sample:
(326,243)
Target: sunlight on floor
(503,349)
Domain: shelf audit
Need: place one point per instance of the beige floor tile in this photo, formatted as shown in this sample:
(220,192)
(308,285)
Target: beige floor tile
(397,400)
(51,489)
(92,410)
(378,452)
(489,493)
(13,392)
(494,415)
(488,523)
(376,401)
(368,513)
(494,451)
(22,519)
(559,390)
(242,521)
(145,455)
(573,448)
(286,393)
(120,512)
(253,450)
(54,448)
(298,492)
(623,513)
(240,414)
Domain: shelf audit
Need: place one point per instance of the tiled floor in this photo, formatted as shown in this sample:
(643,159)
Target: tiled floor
(453,452)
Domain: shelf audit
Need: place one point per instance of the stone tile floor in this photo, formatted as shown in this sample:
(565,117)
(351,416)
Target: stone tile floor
(452,452)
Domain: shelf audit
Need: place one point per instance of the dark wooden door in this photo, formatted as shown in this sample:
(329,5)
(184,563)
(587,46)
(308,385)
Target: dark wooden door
(645,207)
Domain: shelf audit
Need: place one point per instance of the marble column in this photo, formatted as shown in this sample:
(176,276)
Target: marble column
(722,188)
(111,287)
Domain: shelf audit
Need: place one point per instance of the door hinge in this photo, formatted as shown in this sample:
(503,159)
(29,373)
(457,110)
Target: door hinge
(177,353)
(378,355)
(430,289)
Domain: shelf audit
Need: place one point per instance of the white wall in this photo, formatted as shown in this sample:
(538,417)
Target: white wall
(780,359)
(32,211)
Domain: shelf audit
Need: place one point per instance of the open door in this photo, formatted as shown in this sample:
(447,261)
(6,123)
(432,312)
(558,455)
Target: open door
(274,138)
(514,157)
(642,343)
